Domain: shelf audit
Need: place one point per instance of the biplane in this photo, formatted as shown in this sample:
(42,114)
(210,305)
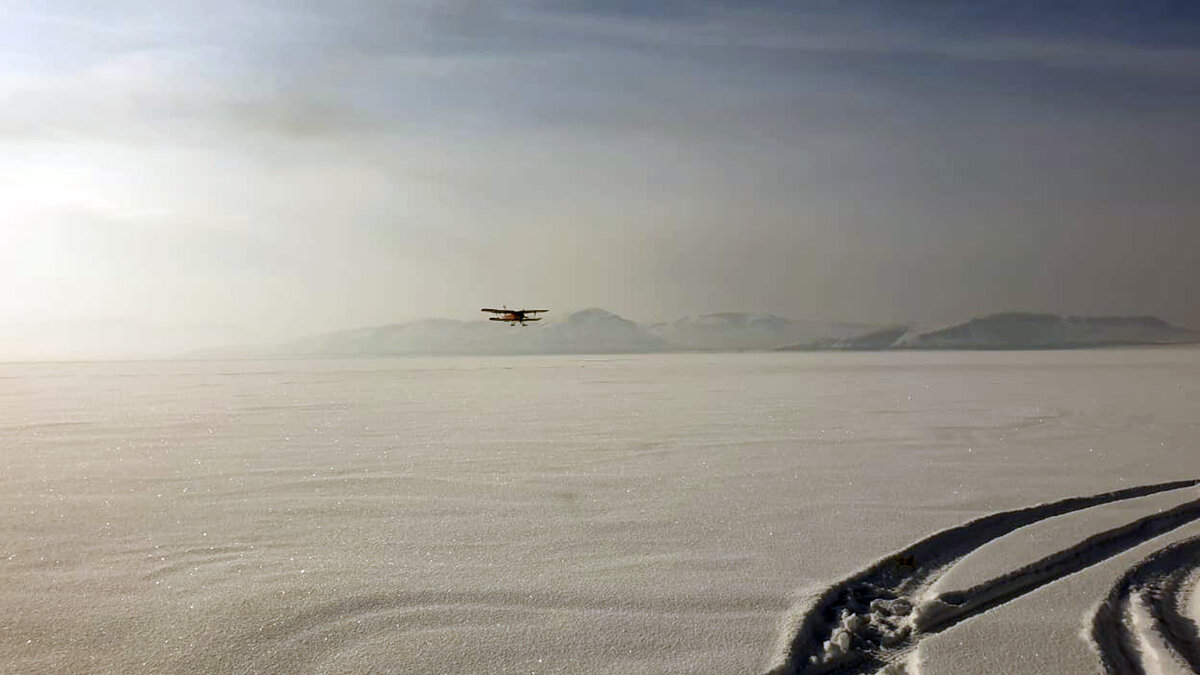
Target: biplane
(514,316)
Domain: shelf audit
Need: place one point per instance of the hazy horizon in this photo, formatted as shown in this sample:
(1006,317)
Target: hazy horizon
(275,169)
(575,331)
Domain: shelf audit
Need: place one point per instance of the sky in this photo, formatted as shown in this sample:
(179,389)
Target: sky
(278,168)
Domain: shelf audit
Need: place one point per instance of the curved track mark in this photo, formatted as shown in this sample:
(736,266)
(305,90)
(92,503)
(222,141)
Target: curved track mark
(865,623)
(1155,587)
(948,609)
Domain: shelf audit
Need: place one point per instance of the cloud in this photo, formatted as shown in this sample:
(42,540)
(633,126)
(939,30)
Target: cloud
(368,162)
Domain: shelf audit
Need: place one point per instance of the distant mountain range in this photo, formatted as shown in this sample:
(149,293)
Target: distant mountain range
(589,331)
(597,331)
(1016,330)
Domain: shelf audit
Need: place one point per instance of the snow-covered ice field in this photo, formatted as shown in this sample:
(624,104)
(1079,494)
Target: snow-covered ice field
(944,512)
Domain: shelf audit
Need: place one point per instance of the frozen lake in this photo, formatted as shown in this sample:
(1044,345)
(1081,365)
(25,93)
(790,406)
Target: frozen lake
(583,514)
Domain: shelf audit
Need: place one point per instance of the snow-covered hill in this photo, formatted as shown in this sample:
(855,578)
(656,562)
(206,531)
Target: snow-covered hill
(1021,330)
(735,331)
(586,331)
(884,338)
(428,336)
(582,332)
(598,331)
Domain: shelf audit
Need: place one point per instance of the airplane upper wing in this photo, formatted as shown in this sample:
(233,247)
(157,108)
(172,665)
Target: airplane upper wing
(498,311)
(534,311)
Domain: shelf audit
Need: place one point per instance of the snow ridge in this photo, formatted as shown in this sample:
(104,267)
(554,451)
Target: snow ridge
(873,620)
(1139,627)
(950,608)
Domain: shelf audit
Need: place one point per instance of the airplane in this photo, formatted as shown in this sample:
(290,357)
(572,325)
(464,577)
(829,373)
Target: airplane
(513,316)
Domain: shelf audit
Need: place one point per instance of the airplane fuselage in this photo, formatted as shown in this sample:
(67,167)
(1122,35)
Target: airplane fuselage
(514,316)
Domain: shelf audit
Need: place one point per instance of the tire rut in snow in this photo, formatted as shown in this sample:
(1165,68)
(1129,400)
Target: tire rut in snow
(866,623)
(1156,587)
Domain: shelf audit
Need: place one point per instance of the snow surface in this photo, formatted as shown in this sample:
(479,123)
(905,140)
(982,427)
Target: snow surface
(1036,541)
(1191,602)
(620,514)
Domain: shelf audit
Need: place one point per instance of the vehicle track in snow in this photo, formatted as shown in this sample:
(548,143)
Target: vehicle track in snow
(1140,627)
(873,620)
